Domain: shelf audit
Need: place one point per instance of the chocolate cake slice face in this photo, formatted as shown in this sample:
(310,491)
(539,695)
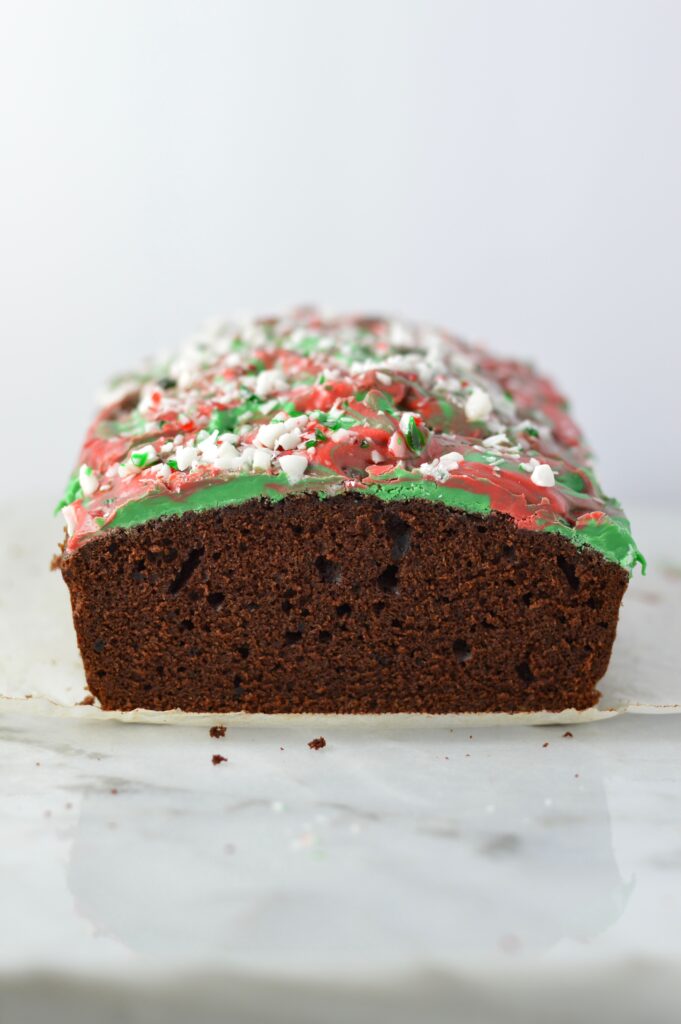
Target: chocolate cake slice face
(348,605)
(351,516)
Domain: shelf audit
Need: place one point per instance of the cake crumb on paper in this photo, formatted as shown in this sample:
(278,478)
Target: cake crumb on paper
(218,759)
(317,743)
(217,731)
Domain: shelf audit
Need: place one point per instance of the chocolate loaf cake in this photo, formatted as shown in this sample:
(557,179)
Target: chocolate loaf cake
(341,515)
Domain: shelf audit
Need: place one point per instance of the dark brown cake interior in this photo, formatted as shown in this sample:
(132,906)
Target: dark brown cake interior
(342,605)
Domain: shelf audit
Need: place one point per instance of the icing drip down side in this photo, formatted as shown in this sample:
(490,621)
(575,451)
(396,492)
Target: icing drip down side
(330,405)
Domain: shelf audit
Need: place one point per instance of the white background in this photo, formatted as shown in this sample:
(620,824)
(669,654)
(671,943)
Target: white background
(509,169)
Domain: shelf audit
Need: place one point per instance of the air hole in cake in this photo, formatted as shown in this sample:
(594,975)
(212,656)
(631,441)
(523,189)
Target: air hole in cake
(397,623)
(293,636)
(186,569)
(510,554)
(342,610)
(527,598)
(295,528)
(388,580)
(524,672)
(98,646)
(244,650)
(568,572)
(139,565)
(324,636)
(187,624)
(400,534)
(379,607)
(594,603)
(237,680)
(286,606)
(462,651)
(328,571)
(215,599)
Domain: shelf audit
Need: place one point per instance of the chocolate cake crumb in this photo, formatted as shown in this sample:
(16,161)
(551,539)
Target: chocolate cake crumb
(87,700)
(218,759)
(317,744)
(217,731)
(545,744)
(114,791)
(567,735)
(351,646)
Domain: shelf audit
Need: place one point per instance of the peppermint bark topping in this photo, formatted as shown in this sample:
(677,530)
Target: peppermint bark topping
(361,404)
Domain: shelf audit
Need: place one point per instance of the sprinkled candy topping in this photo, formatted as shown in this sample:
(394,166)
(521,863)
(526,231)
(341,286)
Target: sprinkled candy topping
(271,407)
(542,476)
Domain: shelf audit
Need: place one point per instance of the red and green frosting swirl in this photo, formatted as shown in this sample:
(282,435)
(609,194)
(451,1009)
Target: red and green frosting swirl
(370,406)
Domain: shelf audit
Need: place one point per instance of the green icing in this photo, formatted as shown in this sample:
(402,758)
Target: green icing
(275,488)
(72,493)
(428,490)
(612,537)
(572,480)
(227,492)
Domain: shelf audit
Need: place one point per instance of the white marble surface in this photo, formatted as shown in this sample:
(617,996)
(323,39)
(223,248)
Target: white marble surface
(403,872)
